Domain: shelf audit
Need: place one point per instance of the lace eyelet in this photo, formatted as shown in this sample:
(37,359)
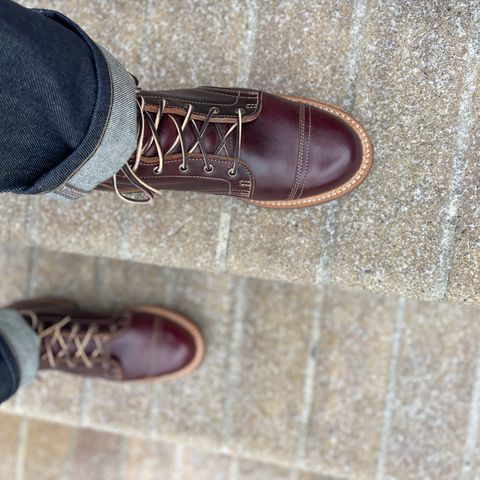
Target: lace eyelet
(241,110)
(208,170)
(156,171)
(184,169)
(215,110)
(232,173)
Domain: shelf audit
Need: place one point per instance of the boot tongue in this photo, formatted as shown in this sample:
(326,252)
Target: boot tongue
(168,134)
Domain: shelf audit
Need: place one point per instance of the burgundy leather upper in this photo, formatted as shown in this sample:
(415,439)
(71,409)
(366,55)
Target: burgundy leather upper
(137,344)
(289,149)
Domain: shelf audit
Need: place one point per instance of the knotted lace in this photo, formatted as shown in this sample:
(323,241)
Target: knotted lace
(64,342)
(146,121)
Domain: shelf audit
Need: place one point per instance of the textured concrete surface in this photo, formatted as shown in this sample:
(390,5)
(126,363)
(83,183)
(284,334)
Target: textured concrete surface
(330,383)
(47,450)
(9,441)
(40,450)
(164,236)
(464,278)
(271,352)
(274,254)
(430,414)
(407,70)
(390,234)
(352,366)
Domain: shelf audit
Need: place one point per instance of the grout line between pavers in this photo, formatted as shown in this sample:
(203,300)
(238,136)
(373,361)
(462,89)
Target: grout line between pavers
(67,470)
(99,266)
(328,244)
(85,395)
(355,39)
(235,365)
(148,27)
(32,264)
(178,463)
(233,470)
(248,43)
(31,221)
(473,426)
(124,251)
(122,457)
(459,161)
(21,450)
(309,382)
(391,389)
(223,235)
(328,239)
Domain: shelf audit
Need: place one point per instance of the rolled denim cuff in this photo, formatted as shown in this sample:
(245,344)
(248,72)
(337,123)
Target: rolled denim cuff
(118,141)
(22,345)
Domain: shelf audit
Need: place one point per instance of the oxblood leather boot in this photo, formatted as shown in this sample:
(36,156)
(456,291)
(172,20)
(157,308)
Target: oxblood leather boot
(135,344)
(270,150)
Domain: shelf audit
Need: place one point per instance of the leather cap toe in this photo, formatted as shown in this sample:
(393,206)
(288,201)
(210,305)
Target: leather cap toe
(158,343)
(333,152)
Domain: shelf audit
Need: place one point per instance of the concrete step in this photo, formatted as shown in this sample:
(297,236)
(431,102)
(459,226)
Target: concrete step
(345,385)
(35,449)
(408,72)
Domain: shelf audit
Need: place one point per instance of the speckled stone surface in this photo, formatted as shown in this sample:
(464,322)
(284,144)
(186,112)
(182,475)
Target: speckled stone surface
(464,279)
(47,450)
(273,250)
(250,470)
(92,226)
(13,213)
(268,367)
(315,476)
(109,403)
(96,454)
(352,366)
(148,460)
(15,268)
(180,230)
(192,43)
(434,383)
(343,384)
(200,465)
(67,277)
(389,231)
(9,440)
(33,449)
(304,49)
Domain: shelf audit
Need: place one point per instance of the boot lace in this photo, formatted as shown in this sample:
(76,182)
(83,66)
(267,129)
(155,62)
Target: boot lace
(64,342)
(147,122)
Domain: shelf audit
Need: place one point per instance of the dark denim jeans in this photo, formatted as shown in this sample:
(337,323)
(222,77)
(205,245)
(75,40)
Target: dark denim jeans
(54,100)
(68,121)
(9,371)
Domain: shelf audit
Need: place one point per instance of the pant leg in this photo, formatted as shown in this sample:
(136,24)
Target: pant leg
(60,95)
(19,353)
